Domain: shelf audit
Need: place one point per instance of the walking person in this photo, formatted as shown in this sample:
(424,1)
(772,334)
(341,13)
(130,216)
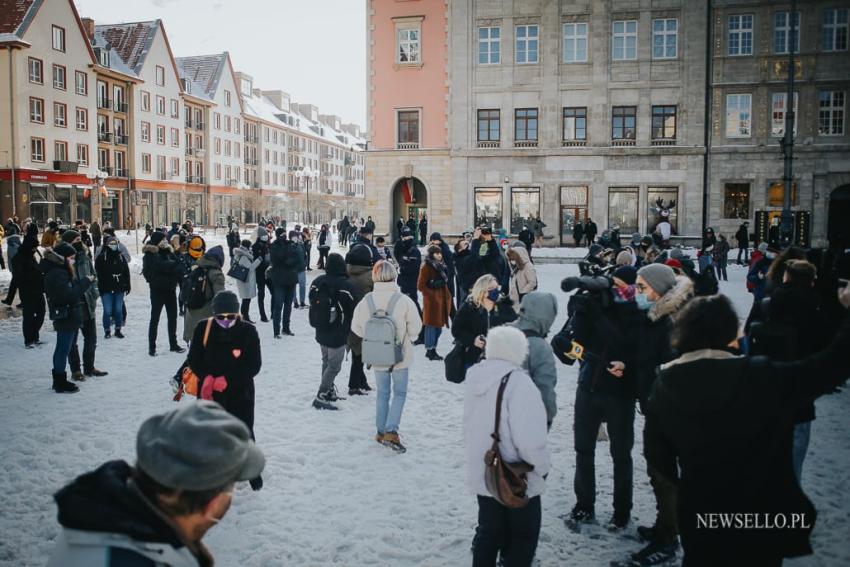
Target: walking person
(500,387)
(590,230)
(260,250)
(26,271)
(523,275)
(743,238)
(287,261)
(113,282)
(300,301)
(324,246)
(65,298)
(161,270)
(526,236)
(436,299)
(307,242)
(13,244)
(538,226)
(423,229)
(359,269)
(204,280)
(331,310)
(578,233)
(721,257)
(248,288)
(405,317)
(233,241)
(409,260)
(225,354)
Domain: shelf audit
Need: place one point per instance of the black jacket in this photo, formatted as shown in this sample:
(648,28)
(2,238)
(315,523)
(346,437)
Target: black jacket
(287,260)
(361,241)
(113,273)
(28,276)
(472,320)
(491,261)
(526,236)
(160,267)
(260,250)
(469,268)
(409,260)
(743,237)
(728,422)
(337,278)
(220,358)
(323,239)
(63,292)
(590,230)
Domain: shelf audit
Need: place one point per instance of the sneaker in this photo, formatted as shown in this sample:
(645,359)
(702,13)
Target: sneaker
(77,376)
(618,522)
(107,334)
(177,348)
(119,334)
(392,441)
(96,372)
(321,401)
(579,516)
(356,392)
(656,553)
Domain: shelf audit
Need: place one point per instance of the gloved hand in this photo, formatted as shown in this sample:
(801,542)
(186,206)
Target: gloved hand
(569,284)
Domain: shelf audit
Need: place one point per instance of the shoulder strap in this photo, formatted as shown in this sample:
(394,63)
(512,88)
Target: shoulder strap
(207,331)
(499,397)
(393,302)
(370,301)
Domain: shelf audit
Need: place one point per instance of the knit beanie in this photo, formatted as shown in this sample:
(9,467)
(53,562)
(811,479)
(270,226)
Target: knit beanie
(626,273)
(70,236)
(225,302)
(156,238)
(660,278)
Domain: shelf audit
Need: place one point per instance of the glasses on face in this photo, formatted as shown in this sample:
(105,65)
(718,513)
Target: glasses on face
(641,287)
(227,316)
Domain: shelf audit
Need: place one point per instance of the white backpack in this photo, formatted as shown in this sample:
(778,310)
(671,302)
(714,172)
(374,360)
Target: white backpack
(380,343)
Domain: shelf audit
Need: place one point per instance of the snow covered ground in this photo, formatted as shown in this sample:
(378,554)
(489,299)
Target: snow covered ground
(332,495)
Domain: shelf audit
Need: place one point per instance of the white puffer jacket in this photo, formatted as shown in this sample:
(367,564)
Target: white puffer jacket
(405,315)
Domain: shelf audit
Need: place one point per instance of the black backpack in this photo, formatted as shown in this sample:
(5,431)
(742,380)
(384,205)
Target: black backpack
(325,309)
(194,288)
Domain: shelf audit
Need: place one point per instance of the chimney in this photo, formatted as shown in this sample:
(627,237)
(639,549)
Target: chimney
(88,25)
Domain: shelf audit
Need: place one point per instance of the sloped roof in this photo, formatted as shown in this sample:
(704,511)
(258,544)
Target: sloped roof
(13,13)
(115,61)
(204,71)
(132,42)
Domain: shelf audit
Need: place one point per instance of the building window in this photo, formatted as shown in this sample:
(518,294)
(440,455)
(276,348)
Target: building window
(623,120)
(237,127)
(623,209)
(120,165)
(526,44)
(408,45)
(489,45)
(36,71)
(37,149)
(175,109)
(786,32)
(217,170)
(831,113)
(160,135)
(488,207)
(103,127)
(575,43)
(665,34)
(175,166)
(60,151)
(489,126)
(175,138)
(81,82)
(36,110)
(228,146)
(778,107)
(160,105)
(228,123)
(82,119)
(59,77)
(575,125)
(82,155)
(60,115)
(834,30)
(226,103)
(102,158)
(736,201)
(146,101)
(738,122)
(146,131)
(776,194)
(161,170)
(217,146)
(664,123)
(625,40)
(666,196)
(525,207)
(408,129)
(146,163)
(525,125)
(216,120)
(160,76)
(58,38)
(740,38)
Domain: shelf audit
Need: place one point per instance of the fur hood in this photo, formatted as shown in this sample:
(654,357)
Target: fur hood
(519,255)
(672,301)
(240,253)
(154,249)
(508,344)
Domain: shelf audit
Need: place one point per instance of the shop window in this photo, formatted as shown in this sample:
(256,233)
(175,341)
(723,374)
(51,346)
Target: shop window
(488,207)
(525,207)
(623,209)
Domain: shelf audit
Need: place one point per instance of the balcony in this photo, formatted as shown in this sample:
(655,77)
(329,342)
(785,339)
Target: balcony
(195,179)
(622,142)
(187,123)
(104,103)
(121,173)
(488,144)
(105,137)
(199,125)
(407,146)
(121,139)
(573,143)
(65,166)
(525,143)
(120,106)
(107,169)
(664,142)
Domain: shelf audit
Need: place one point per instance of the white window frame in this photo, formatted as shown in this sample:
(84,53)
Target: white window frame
(146,163)
(83,156)
(830,31)
(146,131)
(35,155)
(413,45)
(175,138)
(58,38)
(32,64)
(160,75)
(145,97)
(227,98)
(733,127)
(778,107)
(81,119)
(782,33)
(85,83)
(60,155)
(574,35)
(832,109)
(486,45)
(175,108)
(160,105)
(625,35)
(63,84)
(160,139)
(60,119)
(667,37)
(526,40)
(36,106)
(741,32)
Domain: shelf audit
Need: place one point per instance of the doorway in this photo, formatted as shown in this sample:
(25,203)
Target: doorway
(573,210)
(409,200)
(838,220)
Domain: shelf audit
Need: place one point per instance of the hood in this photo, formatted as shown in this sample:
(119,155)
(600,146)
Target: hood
(104,501)
(436,236)
(51,260)
(673,300)
(487,375)
(679,389)
(519,254)
(537,312)
(335,265)
(240,252)
(358,271)
(215,254)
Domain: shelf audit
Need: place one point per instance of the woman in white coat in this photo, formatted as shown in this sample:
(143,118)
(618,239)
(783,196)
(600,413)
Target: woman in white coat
(523,274)
(247,289)
(513,532)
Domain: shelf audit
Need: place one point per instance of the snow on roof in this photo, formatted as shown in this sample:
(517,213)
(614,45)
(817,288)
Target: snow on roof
(204,71)
(116,63)
(132,42)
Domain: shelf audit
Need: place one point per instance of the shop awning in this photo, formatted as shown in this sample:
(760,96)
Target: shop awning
(37,184)
(45,203)
(63,186)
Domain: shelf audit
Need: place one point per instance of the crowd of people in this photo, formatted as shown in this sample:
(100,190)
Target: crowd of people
(727,412)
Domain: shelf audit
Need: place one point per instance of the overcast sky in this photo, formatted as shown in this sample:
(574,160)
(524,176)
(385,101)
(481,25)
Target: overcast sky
(313,49)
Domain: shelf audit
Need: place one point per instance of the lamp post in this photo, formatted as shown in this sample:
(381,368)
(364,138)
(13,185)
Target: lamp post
(787,142)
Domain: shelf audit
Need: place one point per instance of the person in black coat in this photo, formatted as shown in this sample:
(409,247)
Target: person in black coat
(718,426)
(113,282)
(364,238)
(324,244)
(399,226)
(409,260)
(491,260)
(578,233)
(411,224)
(448,258)
(65,296)
(526,236)
(227,347)
(287,260)
(468,268)
(260,249)
(233,241)
(423,229)
(743,238)
(590,230)
(30,281)
(162,271)
(484,309)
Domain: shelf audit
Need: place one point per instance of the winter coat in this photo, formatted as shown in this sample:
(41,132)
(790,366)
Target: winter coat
(473,320)
(84,268)
(248,288)
(743,237)
(63,291)
(324,239)
(13,244)
(287,260)
(113,273)
(538,312)
(469,268)
(260,250)
(523,275)
(436,298)
(215,284)
(362,283)
(728,422)
(578,231)
(721,252)
(757,278)
(522,424)
(590,230)
(160,267)
(336,277)
(526,236)
(107,521)
(361,241)
(538,228)
(490,260)
(409,260)
(653,332)
(25,267)
(405,315)
(411,224)
(370,224)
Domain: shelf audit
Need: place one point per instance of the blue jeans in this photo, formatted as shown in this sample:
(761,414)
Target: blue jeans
(432,336)
(388,416)
(802,431)
(302,289)
(113,308)
(282,300)
(64,340)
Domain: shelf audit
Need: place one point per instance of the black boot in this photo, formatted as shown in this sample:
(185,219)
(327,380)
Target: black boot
(431,354)
(61,384)
(256,483)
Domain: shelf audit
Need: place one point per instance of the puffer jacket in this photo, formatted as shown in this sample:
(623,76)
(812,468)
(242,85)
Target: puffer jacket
(84,268)
(160,267)
(212,262)
(248,288)
(25,267)
(287,260)
(63,291)
(409,260)
(405,315)
(522,427)
(538,312)
(335,277)
(113,273)
(523,275)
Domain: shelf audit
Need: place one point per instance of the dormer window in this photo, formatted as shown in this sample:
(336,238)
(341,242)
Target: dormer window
(187,86)
(102,56)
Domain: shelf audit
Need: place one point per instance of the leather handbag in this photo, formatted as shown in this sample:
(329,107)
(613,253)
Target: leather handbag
(455,364)
(506,482)
(239,271)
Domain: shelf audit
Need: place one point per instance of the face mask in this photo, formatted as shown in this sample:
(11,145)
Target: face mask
(78,246)
(113,247)
(493,295)
(225,323)
(264,238)
(643,302)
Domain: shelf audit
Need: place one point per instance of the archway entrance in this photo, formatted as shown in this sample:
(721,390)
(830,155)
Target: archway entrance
(838,221)
(409,200)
